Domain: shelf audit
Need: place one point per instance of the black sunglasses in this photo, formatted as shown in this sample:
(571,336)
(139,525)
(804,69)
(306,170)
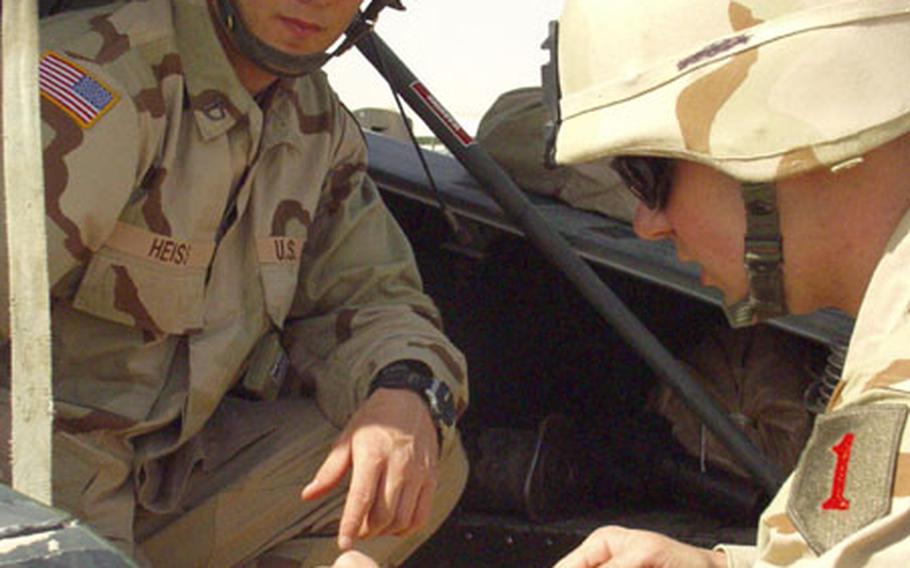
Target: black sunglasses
(649,179)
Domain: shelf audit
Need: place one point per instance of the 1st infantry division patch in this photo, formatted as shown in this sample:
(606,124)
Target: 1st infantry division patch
(844,478)
(71,89)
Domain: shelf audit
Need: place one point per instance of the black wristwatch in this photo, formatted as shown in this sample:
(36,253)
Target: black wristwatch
(417,377)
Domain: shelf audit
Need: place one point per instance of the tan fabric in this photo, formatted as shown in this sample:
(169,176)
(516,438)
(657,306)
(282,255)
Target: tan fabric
(513,132)
(876,373)
(758,375)
(239,502)
(758,89)
(243,491)
(185,223)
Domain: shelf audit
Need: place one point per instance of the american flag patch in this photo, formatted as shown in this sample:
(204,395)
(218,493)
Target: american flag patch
(71,89)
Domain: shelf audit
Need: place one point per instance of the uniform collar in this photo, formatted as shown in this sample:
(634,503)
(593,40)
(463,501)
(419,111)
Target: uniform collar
(283,125)
(298,109)
(884,309)
(216,95)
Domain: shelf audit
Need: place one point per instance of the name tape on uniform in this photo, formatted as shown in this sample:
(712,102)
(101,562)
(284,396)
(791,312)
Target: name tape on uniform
(159,248)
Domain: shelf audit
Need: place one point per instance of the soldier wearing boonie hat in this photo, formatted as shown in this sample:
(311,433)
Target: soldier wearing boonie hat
(769,140)
(237,318)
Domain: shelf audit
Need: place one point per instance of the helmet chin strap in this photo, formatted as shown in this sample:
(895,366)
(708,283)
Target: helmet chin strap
(763,259)
(283,64)
(265,56)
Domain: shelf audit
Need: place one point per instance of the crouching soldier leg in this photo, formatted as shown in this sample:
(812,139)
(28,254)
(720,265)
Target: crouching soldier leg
(242,500)
(91,471)
(321,549)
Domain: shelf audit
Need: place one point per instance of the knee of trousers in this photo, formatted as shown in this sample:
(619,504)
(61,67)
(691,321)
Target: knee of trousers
(452,477)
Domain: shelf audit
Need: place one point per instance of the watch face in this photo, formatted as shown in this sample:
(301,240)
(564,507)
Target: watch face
(441,405)
(436,393)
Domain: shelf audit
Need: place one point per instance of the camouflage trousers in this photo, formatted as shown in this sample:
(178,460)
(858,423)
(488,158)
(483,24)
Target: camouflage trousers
(230,499)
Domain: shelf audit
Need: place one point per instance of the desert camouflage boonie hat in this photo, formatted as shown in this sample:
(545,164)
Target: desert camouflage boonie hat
(758,89)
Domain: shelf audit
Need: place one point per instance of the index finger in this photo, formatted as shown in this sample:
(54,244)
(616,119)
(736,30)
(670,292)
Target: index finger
(593,552)
(365,476)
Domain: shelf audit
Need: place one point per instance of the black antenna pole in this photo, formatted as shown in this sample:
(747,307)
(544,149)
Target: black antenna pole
(554,247)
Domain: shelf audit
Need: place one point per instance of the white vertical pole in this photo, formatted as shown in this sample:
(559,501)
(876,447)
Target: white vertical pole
(32,404)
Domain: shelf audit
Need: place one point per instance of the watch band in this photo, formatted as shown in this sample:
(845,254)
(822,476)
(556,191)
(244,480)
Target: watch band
(417,377)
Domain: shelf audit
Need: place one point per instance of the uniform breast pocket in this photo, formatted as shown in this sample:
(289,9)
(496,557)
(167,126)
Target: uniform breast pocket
(279,263)
(147,281)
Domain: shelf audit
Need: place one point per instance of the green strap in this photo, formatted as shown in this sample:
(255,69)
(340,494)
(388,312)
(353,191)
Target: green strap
(763,258)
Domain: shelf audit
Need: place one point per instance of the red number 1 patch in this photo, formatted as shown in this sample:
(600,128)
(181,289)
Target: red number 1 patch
(837,502)
(834,496)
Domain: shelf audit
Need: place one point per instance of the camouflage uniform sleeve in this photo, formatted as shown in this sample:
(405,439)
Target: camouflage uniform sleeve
(359,304)
(91,151)
(739,556)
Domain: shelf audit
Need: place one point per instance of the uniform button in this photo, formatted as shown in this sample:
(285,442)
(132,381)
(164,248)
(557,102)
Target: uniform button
(215,110)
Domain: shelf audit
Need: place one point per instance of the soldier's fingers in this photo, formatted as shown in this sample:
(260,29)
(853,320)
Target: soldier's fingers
(625,561)
(594,552)
(382,513)
(364,529)
(331,472)
(354,559)
(407,507)
(404,476)
(576,559)
(365,478)
(424,504)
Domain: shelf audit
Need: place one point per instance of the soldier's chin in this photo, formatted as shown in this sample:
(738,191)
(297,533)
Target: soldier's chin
(709,282)
(299,49)
(313,45)
(731,299)
(283,63)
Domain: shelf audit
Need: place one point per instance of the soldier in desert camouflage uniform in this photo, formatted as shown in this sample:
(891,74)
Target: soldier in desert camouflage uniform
(769,140)
(209,212)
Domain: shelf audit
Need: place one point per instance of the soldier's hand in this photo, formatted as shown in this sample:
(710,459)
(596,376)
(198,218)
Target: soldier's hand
(390,444)
(354,559)
(616,547)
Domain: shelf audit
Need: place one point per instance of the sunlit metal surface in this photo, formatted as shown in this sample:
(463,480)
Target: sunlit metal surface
(29,302)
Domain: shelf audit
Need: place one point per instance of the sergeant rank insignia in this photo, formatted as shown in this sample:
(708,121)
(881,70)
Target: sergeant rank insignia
(845,476)
(73,90)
